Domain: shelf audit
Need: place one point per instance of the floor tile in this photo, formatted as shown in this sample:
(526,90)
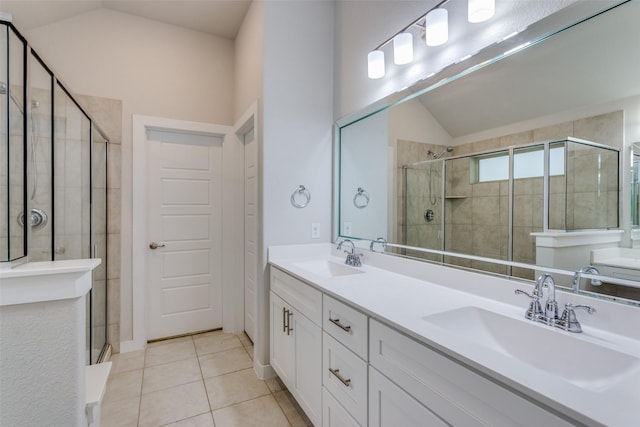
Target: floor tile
(250,351)
(170,374)
(203,420)
(119,412)
(260,412)
(173,404)
(291,409)
(206,343)
(275,384)
(234,388)
(245,340)
(170,352)
(124,362)
(127,384)
(224,362)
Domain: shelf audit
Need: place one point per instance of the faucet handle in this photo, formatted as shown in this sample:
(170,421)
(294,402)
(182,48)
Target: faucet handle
(535,308)
(569,320)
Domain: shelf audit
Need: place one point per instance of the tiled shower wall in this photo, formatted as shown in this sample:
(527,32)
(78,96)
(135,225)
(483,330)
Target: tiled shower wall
(107,113)
(476,215)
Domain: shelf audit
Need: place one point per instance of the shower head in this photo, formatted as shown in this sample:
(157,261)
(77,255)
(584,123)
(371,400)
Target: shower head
(449,149)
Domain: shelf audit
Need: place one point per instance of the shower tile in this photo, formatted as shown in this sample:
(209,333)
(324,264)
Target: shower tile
(236,387)
(522,211)
(484,145)
(113,303)
(486,211)
(224,362)
(114,166)
(261,412)
(559,131)
(114,211)
(606,129)
(487,241)
(173,404)
(113,256)
(113,336)
(517,139)
(486,189)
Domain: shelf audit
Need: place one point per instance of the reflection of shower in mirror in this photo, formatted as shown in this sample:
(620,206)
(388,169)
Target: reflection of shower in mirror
(432,197)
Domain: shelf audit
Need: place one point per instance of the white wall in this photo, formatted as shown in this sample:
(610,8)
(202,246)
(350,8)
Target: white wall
(249,55)
(156,70)
(297,132)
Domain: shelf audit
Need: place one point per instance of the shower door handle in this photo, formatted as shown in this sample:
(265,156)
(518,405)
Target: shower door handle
(154,245)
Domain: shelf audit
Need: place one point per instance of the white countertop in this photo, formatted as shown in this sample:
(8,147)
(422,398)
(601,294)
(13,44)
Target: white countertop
(46,281)
(416,289)
(617,257)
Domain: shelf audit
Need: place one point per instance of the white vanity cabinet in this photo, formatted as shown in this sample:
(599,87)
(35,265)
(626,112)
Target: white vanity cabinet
(444,388)
(296,340)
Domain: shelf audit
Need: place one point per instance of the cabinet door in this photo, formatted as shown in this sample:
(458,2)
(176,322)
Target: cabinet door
(390,406)
(333,414)
(308,365)
(282,354)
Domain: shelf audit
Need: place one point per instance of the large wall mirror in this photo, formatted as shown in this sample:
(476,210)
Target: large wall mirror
(521,159)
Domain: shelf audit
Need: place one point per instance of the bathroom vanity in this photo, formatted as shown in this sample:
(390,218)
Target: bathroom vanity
(401,342)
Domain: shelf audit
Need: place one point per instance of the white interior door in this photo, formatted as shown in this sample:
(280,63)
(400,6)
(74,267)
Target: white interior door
(250,232)
(184,225)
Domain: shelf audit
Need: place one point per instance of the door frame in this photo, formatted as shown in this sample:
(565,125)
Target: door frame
(139,211)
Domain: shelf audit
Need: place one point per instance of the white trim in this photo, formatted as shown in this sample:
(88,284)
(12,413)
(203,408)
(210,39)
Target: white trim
(138,230)
(562,239)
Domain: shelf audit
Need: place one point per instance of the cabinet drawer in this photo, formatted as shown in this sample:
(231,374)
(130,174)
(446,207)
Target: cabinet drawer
(346,324)
(345,376)
(455,393)
(304,298)
(333,414)
(390,406)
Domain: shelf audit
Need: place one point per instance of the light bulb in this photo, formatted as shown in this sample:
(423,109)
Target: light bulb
(375,61)
(481,10)
(437,27)
(403,48)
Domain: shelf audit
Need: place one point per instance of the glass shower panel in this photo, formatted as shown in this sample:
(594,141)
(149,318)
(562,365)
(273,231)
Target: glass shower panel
(99,243)
(40,174)
(13,237)
(72,188)
(557,189)
(477,209)
(528,206)
(423,222)
(592,187)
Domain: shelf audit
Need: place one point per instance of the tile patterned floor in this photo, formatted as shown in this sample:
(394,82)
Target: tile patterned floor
(203,380)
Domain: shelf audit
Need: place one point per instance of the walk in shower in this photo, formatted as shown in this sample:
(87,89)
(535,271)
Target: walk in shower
(491,204)
(53,176)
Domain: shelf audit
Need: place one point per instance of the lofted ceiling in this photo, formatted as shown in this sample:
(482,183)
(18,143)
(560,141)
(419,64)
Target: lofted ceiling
(221,18)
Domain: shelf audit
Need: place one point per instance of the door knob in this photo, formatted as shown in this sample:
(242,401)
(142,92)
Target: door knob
(154,245)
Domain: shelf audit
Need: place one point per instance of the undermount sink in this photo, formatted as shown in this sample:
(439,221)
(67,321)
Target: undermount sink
(327,268)
(583,363)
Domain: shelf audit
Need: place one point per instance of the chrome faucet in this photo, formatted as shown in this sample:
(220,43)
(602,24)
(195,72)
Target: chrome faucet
(551,306)
(380,240)
(549,316)
(587,270)
(353,259)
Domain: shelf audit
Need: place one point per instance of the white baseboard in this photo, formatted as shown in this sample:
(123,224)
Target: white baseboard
(263,371)
(132,345)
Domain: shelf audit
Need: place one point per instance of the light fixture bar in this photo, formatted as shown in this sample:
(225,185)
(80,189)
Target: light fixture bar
(421,18)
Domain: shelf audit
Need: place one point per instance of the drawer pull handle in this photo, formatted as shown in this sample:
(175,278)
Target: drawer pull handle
(336,322)
(336,373)
(284,319)
(289,328)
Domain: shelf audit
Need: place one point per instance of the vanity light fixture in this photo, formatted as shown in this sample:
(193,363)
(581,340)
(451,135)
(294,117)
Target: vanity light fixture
(403,48)
(375,61)
(517,48)
(480,10)
(433,26)
(437,27)
(508,36)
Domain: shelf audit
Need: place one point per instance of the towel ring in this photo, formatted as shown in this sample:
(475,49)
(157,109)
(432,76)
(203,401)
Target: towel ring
(361,199)
(305,197)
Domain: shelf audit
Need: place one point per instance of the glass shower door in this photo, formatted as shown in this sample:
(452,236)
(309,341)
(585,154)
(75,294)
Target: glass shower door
(98,311)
